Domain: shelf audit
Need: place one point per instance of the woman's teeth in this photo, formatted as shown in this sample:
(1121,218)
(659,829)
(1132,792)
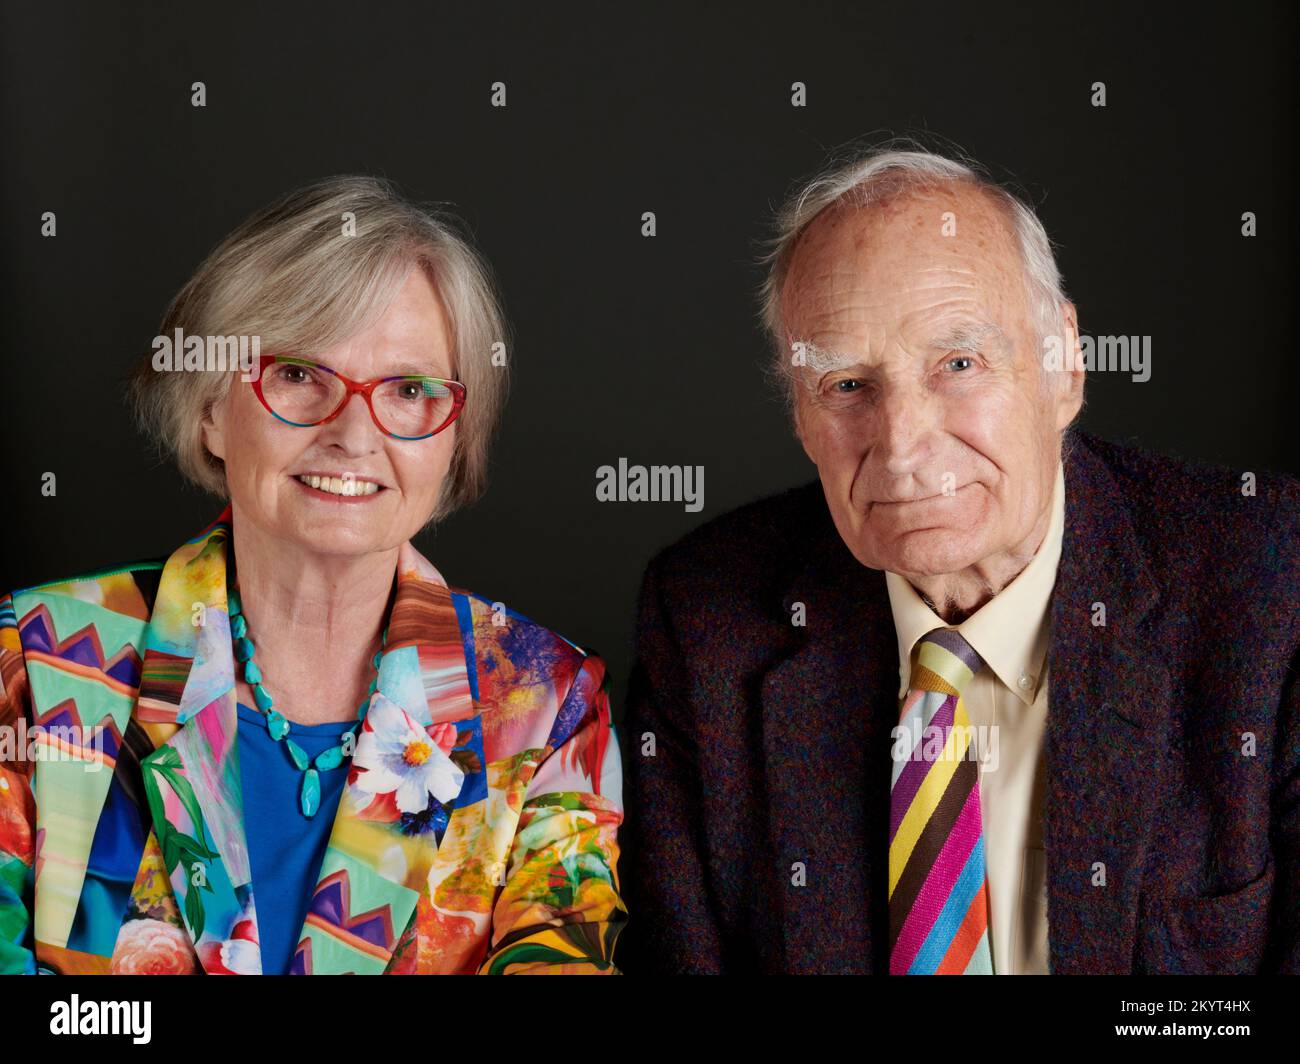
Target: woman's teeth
(339,486)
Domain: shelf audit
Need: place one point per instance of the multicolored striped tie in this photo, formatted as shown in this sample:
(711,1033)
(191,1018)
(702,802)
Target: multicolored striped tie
(938,885)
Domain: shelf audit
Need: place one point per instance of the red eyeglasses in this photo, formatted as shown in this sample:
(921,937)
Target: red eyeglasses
(303,393)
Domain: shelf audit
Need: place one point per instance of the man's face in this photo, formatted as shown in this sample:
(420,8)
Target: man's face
(923,404)
(266,459)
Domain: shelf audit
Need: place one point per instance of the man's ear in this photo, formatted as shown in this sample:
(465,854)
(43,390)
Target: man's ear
(1069,390)
(798,417)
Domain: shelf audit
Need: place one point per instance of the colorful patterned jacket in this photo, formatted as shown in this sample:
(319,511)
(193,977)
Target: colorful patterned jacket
(122,845)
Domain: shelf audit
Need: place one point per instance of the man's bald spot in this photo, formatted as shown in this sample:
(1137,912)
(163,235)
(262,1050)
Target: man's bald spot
(983,228)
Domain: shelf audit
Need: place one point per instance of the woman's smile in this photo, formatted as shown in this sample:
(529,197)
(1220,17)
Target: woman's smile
(339,489)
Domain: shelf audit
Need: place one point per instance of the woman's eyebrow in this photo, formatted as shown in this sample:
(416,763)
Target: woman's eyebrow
(412,369)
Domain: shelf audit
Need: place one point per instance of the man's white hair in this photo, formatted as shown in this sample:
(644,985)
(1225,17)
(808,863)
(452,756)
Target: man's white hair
(881,174)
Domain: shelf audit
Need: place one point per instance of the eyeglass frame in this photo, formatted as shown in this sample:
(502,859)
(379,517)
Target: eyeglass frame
(354,387)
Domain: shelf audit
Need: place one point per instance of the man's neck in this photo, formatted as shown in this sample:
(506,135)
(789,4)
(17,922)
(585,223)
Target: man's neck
(956,596)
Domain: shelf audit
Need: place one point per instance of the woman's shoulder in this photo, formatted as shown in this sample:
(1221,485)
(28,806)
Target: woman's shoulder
(94,618)
(127,588)
(535,688)
(503,635)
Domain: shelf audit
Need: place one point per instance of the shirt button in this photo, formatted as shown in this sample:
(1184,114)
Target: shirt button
(1025,681)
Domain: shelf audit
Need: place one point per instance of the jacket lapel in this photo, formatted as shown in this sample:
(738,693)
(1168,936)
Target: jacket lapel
(376,866)
(1108,718)
(187,705)
(827,712)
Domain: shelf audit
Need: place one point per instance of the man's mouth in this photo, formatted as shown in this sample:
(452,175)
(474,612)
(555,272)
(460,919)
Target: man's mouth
(922,498)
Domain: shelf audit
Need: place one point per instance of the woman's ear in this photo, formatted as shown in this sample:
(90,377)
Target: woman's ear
(214,427)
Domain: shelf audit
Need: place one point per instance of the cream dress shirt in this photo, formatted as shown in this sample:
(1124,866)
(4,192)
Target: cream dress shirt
(1006,701)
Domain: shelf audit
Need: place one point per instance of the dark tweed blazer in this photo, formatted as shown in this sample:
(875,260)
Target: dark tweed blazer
(772,745)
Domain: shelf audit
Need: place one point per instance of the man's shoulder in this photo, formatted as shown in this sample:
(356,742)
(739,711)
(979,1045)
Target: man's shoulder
(1160,484)
(719,592)
(1213,515)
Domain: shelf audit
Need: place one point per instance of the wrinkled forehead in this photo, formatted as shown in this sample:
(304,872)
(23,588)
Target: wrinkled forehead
(916,255)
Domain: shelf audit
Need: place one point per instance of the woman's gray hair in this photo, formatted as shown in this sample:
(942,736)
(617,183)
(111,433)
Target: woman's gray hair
(308,272)
(881,173)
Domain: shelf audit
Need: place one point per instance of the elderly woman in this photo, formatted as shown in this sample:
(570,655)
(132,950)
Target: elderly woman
(290,747)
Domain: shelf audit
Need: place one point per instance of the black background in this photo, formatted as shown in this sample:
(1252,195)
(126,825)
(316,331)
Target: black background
(625,346)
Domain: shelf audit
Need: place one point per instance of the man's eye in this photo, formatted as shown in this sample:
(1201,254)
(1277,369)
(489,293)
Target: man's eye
(845,386)
(961,358)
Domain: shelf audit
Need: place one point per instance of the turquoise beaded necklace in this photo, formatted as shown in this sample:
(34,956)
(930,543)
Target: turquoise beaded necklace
(278,725)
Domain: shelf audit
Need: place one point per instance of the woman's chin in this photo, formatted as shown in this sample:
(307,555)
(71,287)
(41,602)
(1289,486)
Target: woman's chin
(322,530)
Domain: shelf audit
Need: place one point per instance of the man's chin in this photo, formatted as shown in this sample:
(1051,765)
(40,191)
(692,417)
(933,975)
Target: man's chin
(922,553)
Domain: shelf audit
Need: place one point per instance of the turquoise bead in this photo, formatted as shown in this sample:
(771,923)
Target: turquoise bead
(310,792)
(276,723)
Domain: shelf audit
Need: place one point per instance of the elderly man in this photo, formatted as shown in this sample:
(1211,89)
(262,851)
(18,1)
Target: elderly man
(994,696)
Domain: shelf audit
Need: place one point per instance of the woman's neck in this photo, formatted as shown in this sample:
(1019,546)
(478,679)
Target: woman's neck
(316,623)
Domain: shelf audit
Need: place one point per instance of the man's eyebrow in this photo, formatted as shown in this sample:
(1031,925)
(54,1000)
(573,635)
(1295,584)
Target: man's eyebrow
(971,336)
(963,336)
(824,359)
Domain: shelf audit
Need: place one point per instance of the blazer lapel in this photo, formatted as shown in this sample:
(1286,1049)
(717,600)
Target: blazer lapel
(1107,724)
(377,863)
(187,705)
(827,713)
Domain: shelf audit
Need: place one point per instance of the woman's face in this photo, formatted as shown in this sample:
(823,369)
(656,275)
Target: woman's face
(265,458)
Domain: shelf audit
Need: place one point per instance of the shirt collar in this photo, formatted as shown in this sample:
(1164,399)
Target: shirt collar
(1010,631)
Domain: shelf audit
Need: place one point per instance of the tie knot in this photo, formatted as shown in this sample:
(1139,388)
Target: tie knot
(945,662)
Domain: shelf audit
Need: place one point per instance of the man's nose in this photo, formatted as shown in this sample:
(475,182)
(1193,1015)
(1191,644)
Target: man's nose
(905,423)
